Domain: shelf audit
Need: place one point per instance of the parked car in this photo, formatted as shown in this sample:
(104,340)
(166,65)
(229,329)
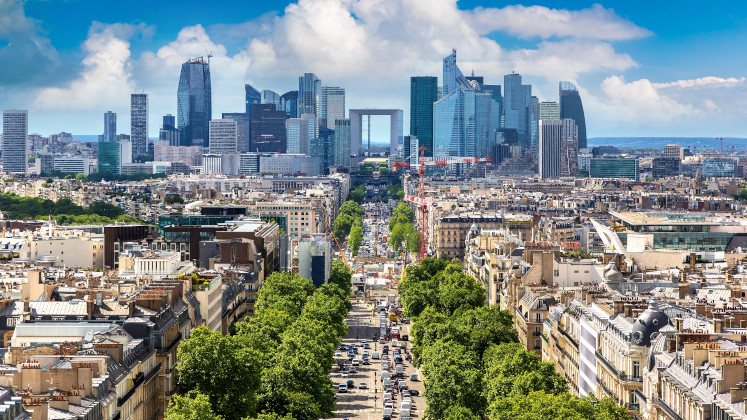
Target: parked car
(414,377)
(350,383)
(363,385)
(342,388)
(413,392)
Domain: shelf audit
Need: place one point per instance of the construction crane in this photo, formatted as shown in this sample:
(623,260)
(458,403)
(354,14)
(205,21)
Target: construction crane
(419,200)
(339,248)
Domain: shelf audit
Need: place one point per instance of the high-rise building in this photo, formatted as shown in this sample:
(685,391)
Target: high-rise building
(299,133)
(223,136)
(332,106)
(15,141)
(139,123)
(253,96)
(323,148)
(463,118)
(243,129)
(169,133)
(248,163)
(195,103)
(290,103)
(423,93)
(674,151)
(108,157)
(557,148)
(550,140)
(410,152)
(342,143)
(517,109)
(571,107)
(549,110)
(267,129)
(309,94)
(534,120)
(662,167)
(568,148)
(110,126)
(271,97)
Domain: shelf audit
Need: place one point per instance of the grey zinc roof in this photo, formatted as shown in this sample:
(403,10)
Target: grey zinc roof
(58,329)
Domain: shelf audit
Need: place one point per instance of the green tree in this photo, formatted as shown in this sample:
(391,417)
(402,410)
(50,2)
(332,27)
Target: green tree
(402,214)
(81,177)
(284,291)
(540,405)
(173,199)
(358,194)
(397,236)
(343,224)
(341,275)
(413,239)
(511,370)
(457,412)
(452,378)
(224,368)
(351,208)
(105,209)
(194,406)
(356,239)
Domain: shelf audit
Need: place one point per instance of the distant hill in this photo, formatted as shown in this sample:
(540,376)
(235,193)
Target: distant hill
(660,142)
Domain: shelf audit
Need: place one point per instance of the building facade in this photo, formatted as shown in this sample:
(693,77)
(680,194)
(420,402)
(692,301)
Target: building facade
(571,107)
(15,141)
(195,103)
(139,123)
(223,136)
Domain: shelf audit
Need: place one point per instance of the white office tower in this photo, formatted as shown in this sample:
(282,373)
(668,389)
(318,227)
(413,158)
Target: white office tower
(223,136)
(15,141)
(558,148)
(299,132)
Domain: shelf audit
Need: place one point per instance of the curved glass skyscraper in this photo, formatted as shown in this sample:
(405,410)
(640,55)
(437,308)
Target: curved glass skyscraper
(571,107)
(194,103)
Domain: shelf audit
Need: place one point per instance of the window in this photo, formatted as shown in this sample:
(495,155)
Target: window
(636,369)
(556,273)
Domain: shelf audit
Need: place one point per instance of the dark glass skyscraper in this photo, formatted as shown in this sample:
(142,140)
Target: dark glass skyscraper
(194,103)
(139,123)
(267,129)
(517,109)
(290,103)
(323,147)
(423,93)
(253,96)
(571,107)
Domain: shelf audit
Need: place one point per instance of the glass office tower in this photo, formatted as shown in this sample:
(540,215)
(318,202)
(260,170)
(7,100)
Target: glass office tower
(571,107)
(423,94)
(290,103)
(194,103)
(253,96)
(110,126)
(309,92)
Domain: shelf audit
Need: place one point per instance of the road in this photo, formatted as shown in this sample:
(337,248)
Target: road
(360,403)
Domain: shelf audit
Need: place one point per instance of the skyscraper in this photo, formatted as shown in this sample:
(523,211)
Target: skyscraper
(270,97)
(139,123)
(517,109)
(290,103)
(571,107)
(323,148)
(299,133)
(558,148)
(110,126)
(169,133)
(549,110)
(332,106)
(534,119)
(267,129)
(463,118)
(253,96)
(309,91)
(549,148)
(15,141)
(223,137)
(342,143)
(194,102)
(243,128)
(423,93)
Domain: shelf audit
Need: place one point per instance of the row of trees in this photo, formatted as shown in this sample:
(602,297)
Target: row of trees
(65,211)
(402,233)
(473,365)
(273,366)
(349,221)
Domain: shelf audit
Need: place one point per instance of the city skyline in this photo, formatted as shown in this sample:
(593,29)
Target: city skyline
(634,71)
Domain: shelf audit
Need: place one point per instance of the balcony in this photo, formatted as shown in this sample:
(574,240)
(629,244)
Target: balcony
(668,410)
(628,378)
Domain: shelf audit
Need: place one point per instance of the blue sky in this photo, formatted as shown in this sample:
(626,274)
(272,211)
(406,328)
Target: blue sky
(643,68)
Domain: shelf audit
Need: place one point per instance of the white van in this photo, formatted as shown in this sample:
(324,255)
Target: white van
(414,377)
(404,409)
(375,355)
(385,374)
(399,369)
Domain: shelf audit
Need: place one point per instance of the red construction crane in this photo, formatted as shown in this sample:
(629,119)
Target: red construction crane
(419,200)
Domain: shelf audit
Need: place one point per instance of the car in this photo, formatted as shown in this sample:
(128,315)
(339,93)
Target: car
(353,369)
(414,377)
(387,396)
(344,375)
(342,388)
(413,392)
(388,412)
(350,383)
(366,362)
(338,353)
(366,346)
(363,385)
(356,362)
